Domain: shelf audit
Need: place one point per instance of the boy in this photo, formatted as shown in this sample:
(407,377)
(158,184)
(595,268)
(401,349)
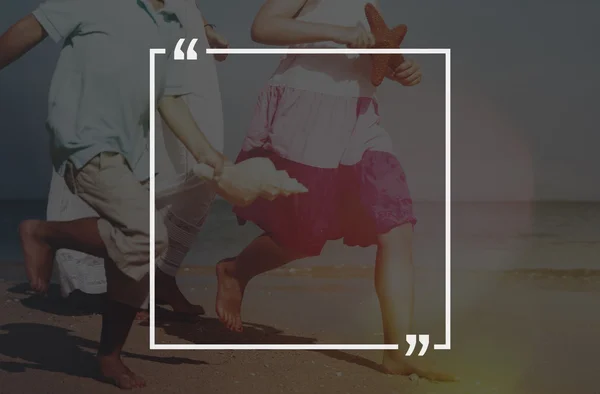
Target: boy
(98,121)
(186,212)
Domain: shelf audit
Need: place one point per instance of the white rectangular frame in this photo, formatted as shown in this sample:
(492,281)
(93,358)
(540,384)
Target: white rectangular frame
(304,51)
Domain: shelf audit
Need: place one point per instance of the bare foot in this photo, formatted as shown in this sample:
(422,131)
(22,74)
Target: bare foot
(113,369)
(395,363)
(39,255)
(230,293)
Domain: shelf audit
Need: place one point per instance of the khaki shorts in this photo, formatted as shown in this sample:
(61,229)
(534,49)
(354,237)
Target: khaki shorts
(108,185)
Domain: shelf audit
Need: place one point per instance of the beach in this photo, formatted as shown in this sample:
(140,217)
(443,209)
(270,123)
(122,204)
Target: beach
(525,302)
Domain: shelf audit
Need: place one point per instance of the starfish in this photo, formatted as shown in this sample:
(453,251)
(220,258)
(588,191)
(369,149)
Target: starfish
(384,38)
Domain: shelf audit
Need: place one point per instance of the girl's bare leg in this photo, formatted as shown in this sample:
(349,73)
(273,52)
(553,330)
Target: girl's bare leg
(233,275)
(395,285)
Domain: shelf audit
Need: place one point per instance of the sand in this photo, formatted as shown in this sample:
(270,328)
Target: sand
(522,331)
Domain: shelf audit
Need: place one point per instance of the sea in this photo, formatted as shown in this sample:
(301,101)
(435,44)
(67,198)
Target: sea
(484,236)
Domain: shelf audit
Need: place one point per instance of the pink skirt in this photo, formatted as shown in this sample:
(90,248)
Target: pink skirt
(336,147)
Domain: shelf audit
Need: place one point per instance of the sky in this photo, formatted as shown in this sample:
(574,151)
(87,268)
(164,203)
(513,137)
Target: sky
(524,98)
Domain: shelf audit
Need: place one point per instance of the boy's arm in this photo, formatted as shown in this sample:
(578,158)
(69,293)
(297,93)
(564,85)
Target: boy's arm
(176,114)
(19,39)
(56,19)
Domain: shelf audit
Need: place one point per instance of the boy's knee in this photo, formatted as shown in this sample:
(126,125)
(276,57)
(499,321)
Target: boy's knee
(138,246)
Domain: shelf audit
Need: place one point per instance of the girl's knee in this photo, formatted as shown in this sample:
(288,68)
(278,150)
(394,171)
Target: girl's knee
(400,236)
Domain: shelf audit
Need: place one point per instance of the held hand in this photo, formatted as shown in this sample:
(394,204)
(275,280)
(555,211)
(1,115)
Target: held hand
(243,183)
(215,40)
(217,161)
(408,73)
(356,37)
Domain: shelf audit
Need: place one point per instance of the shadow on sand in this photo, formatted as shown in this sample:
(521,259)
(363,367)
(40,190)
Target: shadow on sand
(56,349)
(211,331)
(76,304)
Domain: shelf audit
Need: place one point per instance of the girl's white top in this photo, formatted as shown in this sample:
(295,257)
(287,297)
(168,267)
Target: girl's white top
(339,75)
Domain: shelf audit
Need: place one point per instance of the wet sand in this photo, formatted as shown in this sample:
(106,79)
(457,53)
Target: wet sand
(515,332)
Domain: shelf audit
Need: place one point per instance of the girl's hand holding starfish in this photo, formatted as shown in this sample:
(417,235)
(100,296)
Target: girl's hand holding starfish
(356,37)
(408,73)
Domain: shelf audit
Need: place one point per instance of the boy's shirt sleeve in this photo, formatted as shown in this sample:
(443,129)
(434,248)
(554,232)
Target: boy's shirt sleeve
(61,17)
(175,84)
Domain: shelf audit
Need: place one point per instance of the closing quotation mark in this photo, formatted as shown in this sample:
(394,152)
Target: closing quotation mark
(191,53)
(412,344)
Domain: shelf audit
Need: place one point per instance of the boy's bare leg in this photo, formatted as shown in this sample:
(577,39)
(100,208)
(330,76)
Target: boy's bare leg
(394,282)
(233,275)
(168,292)
(116,324)
(40,240)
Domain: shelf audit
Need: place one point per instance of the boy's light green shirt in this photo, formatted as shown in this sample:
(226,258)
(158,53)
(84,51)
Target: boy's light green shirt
(99,95)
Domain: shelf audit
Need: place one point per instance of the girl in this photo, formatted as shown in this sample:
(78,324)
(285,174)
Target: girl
(318,119)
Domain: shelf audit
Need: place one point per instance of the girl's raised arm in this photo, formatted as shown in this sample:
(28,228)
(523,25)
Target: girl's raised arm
(19,39)
(275,24)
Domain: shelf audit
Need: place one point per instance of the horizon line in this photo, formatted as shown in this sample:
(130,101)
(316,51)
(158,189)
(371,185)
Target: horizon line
(327,51)
(550,200)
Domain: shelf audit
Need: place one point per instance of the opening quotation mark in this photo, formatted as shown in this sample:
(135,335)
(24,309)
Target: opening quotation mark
(191,53)
(412,344)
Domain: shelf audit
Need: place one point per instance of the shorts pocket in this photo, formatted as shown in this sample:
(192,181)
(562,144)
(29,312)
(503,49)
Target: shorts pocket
(108,160)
